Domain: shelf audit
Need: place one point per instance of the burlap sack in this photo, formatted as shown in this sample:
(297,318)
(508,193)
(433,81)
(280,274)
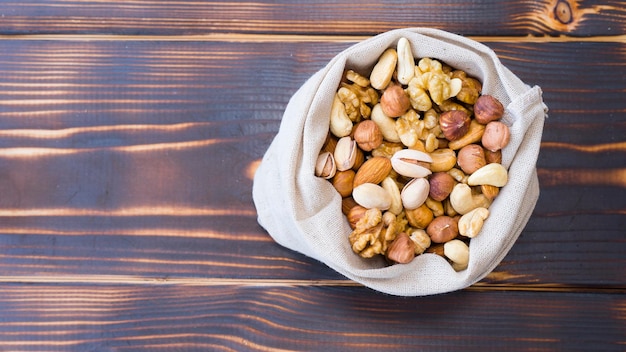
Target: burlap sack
(303,212)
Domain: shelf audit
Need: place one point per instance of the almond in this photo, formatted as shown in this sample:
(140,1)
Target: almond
(373,170)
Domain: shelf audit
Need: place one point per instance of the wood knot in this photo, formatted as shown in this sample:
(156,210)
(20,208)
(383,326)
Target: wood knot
(563,12)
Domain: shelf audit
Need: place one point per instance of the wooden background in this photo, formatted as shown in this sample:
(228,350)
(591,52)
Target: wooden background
(130,132)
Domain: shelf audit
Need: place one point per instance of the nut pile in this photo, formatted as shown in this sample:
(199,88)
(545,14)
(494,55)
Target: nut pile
(415,152)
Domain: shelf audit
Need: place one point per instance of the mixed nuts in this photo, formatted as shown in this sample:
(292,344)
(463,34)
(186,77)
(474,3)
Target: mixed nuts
(415,153)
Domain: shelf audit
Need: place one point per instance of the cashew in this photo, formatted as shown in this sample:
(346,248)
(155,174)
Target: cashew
(471,223)
(458,252)
(406,62)
(394,192)
(386,124)
(340,123)
(383,70)
(463,201)
(493,174)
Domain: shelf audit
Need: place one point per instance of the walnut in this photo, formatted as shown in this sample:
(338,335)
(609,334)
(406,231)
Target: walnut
(375,231)
(358,99)
(365,239)
(387,149)
(429,76)
(470,88)
(418,97)
(409,128)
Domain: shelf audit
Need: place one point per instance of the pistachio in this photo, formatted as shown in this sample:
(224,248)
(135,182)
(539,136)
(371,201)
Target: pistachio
(340,123)
(370,196)
(325,166)
(384,68)
(411,163)
(345,153)
(471,223)
(458,252)
(415,193)
(493,174)
(406,61)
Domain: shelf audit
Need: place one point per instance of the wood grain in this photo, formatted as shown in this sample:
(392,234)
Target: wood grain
(492,18)
(134,159)
(233,318)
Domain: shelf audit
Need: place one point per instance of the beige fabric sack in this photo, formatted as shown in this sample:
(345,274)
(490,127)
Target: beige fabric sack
(303,212)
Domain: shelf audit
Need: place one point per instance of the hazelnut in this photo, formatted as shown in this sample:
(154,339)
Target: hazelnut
(493,157)
(441,184)
(355,214)
(394,101)
(342,181)
(419,217)
(471,158)
(347,203)
(496,136)
(443,229)
(487,109)
(367,135)
(402,249)
(454,124)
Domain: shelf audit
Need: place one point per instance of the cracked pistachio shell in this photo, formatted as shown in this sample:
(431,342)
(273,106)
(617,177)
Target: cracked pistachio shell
(414,193)
(325,166)
(411,163)
(345,153)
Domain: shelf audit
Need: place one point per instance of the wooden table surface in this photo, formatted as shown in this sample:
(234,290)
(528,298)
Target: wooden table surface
(130,132)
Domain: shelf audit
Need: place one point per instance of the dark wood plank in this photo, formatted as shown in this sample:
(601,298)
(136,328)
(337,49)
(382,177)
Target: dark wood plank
(233,318)
(134,158)
(579,18)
